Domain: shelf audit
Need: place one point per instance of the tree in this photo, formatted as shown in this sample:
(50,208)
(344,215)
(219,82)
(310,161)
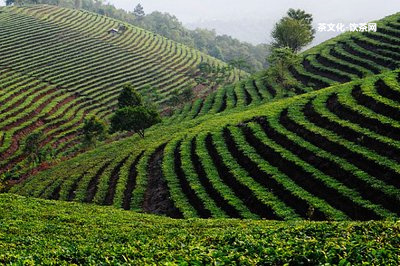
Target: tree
(138,12)
(281,60)
(132,115)
(35,154)
(301,15)
(93,130)
(174,98)
(134,119)
(187,94)
(129,97)
(291,33)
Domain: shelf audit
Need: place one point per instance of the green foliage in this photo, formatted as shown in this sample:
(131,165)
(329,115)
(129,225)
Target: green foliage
(212,75)
(292,33)
(301,15)
(60,233)
(134,119)
(14,173)
(34,152)
(129,97)
(187,94)
(179,98)
(284,145)
(174,98)
(239,63)
(227,48)
(132,115)
(222,47)
(93,129)
(60,113)
(3,182)
(151,94)
(32,148)
(281,60)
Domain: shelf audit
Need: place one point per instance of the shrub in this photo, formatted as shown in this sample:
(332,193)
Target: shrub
(93,129)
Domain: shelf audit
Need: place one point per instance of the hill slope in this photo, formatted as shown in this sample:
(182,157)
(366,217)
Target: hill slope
(59,65)
(326,155)
(350,56)
(46,232)
(317,156)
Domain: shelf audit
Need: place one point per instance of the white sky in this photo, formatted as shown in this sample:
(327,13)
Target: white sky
(195,10)
(252,20)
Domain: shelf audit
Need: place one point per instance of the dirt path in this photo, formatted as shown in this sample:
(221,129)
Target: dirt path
(157,198)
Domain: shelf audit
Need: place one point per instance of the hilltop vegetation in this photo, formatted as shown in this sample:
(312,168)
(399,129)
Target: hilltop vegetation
(47,232)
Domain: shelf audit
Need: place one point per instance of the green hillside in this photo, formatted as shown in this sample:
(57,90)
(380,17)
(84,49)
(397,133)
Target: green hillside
(38,232)
(326,155)
(337,141)
(304,176)
(350,56)
(60,65)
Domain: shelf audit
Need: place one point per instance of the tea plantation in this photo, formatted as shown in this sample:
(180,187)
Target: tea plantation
(248,173)
(47,232)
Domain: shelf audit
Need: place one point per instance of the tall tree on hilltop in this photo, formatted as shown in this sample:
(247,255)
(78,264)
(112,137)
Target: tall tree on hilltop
(139,12)
(301,15)
(294,30)
(291,33)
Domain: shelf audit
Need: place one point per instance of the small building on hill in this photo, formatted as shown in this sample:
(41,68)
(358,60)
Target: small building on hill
(113,31)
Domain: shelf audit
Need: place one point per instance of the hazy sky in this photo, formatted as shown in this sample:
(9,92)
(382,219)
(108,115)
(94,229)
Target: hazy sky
(194,10)
(252,20)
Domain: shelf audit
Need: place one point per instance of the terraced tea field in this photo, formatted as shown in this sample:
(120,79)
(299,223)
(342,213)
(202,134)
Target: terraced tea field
(69,233)
(305,176)
(326,155)
(58,66)
(243,151)
(350,56)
